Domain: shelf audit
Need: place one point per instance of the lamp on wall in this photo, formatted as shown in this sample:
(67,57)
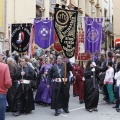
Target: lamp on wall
(42,10)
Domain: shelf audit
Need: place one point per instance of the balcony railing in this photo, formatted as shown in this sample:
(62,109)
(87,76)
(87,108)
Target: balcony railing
(110,27)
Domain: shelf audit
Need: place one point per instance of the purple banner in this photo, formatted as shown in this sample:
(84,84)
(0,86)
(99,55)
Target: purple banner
(44,33)
(93,32)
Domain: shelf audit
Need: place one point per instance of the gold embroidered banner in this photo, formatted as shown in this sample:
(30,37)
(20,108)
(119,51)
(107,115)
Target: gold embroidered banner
(65,23)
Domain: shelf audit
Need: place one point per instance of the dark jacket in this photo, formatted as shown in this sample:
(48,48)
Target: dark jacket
(29,73)
(53,72)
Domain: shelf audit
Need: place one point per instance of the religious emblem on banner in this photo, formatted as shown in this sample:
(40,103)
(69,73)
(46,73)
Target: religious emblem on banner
(80,48)
(93,33)
(57,46)
(20,35)
(44,33)
(65,23)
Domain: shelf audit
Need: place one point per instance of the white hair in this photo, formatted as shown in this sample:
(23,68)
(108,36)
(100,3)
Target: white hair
(11,59)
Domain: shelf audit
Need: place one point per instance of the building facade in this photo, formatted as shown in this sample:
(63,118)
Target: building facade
(14,13)
(2,22)
(116,11)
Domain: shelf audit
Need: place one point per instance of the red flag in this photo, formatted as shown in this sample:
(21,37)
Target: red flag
(57,46)
(80,48)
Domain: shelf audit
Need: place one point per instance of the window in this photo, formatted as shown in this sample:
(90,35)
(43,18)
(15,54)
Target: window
(52,6)
(105,13)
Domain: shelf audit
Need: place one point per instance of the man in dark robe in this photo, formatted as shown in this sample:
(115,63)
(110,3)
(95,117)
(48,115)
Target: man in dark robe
(24,94)
(61,86)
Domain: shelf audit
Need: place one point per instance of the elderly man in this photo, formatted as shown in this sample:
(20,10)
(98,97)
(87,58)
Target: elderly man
(60,96)
(12,89)
(12,67)
(5,83)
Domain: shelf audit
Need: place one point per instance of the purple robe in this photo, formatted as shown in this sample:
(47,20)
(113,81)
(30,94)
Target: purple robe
(43,94)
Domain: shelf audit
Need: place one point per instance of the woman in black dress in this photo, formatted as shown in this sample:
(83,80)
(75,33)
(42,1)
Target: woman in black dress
(91,91)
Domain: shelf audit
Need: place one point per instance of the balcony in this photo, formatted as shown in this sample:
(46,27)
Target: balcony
(110,27)
(40,3)
(51,9)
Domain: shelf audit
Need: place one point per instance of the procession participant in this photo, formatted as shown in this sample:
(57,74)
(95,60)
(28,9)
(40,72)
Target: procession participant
(24,94)
(5,83)
(96,56)
(61,86)
(43,94)
(81,85)
(27,59)
(91,91)
(76,78)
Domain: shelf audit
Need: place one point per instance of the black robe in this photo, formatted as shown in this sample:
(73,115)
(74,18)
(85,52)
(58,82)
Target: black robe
(23,100)
(60,94)
(91,91)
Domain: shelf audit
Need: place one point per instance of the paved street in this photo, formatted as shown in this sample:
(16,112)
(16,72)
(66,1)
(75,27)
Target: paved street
(77,112)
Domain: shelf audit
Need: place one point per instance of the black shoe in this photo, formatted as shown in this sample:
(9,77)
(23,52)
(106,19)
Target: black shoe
(17,114)
(118,110)
(90,110)
(66,110)
(95,109)
(57,113)
(114,107)
(109,103)
(74,95)
(81,101)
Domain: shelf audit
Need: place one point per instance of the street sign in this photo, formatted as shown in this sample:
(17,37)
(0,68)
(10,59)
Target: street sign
(117,42)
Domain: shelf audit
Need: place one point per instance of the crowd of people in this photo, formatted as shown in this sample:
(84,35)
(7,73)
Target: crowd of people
(49,77)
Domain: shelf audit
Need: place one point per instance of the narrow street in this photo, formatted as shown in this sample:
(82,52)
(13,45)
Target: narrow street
(77,112)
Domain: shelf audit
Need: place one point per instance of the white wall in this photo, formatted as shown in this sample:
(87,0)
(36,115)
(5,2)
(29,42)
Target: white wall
(116,12)
(20,11)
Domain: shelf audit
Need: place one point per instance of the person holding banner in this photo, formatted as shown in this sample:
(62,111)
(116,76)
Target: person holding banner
(61,86)
(91,91)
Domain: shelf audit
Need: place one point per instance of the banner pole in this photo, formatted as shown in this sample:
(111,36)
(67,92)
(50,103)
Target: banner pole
(65,68)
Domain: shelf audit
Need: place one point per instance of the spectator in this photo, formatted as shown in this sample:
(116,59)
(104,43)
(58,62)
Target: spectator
(5,83)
